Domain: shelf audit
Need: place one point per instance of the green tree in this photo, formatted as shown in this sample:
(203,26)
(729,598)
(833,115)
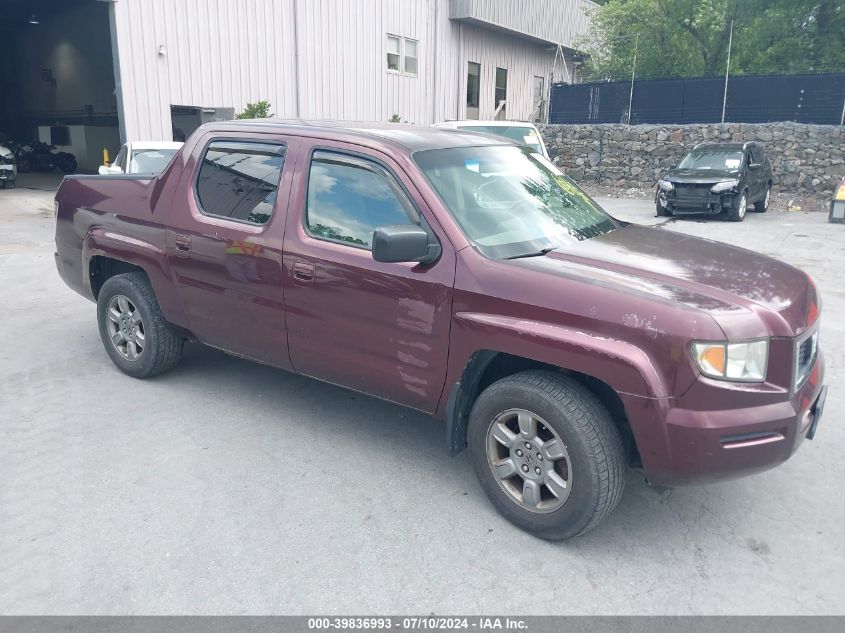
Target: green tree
(259,110)
(687,38)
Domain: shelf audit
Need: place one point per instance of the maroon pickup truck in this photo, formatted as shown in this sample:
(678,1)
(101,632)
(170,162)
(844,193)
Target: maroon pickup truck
(466,277)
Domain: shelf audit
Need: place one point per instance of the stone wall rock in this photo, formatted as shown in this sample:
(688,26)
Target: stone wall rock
(805,158)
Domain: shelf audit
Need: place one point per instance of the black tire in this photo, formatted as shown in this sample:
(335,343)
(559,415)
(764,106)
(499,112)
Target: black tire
(737,213)
(662,212)
(761,206)
(595,459)
(162,346)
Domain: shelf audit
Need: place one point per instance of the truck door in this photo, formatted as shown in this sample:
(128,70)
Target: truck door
(380,328)
(224,243)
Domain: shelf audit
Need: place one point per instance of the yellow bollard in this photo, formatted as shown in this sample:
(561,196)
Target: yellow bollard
(106,156)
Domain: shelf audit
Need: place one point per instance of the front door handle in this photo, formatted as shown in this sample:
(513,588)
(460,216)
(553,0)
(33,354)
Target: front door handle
(303,272)
(183,245)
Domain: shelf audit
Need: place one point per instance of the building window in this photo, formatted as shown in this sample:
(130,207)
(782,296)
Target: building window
(501,88)
(238,181)
(402,55)
(393,46)
(410,57)
(350,197)
(473,84)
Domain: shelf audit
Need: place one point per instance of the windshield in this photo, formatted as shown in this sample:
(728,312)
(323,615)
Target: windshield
(722,159)
(150,161)
(510,201)
(523,134)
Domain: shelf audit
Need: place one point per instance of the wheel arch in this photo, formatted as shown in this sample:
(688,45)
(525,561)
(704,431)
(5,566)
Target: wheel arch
(101,268)
(487,366)
(107,253)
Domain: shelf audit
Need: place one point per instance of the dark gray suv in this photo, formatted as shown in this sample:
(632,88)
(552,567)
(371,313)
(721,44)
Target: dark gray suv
(717,178)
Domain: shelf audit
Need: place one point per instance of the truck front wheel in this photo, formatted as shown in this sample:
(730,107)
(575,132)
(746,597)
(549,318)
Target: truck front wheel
(547,453)
(134,332)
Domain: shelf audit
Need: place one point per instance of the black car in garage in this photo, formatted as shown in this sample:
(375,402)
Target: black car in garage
(717,178)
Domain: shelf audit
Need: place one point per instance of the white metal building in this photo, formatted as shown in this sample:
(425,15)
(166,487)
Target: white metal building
(179,62)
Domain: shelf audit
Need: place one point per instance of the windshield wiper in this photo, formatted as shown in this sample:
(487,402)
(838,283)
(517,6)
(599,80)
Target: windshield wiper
(539,253)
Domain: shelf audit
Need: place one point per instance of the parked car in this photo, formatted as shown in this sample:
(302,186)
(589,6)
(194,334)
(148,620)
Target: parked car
(519,131)
(464,277)
(717,178)
(8,169)
(142,157)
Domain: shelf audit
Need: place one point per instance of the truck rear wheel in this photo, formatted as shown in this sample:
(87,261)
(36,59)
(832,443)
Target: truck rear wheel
(547,453)
(134,332)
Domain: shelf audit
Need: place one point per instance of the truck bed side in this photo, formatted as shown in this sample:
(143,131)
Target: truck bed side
(107,224)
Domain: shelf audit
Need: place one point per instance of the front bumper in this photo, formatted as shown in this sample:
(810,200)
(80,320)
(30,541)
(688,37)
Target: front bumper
(681,444)
(680,202)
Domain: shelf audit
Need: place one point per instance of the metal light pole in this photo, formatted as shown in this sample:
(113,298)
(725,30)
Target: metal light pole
(633,74)
(728,71)
(842,120)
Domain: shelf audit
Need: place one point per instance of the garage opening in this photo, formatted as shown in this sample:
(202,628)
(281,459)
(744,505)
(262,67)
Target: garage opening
(57,80)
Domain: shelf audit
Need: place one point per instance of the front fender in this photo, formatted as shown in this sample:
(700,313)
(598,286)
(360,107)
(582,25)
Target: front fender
(622,365)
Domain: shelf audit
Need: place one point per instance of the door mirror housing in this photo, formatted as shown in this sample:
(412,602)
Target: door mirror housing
(403,243)
(754,166)
(105,170)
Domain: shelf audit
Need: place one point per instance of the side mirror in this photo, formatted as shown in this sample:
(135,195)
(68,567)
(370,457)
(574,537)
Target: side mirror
(403,243)
(754,166)
(110,169)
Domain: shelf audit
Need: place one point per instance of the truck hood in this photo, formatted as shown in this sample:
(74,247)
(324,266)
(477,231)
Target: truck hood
(701,176)
(749,295)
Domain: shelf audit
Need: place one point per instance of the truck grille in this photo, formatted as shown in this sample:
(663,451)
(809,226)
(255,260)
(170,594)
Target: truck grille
(806,351)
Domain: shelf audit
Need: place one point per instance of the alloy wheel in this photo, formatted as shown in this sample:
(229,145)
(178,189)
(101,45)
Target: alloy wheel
(529,461)
(126,329)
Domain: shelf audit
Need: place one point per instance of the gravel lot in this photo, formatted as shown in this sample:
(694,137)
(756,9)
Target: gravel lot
(229,487)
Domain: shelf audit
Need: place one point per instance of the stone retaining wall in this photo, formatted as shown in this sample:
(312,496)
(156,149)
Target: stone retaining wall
(805,158)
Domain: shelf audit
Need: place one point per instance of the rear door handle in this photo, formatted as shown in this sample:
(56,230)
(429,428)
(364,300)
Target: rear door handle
(304,272)
(183,245)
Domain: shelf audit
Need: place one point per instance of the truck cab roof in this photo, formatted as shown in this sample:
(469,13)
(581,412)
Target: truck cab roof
(404,136)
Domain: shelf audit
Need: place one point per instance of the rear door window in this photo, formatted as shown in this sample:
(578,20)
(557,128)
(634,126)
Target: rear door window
(239,180)
(349,197)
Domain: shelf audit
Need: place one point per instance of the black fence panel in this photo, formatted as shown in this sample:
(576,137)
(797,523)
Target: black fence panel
(751,99)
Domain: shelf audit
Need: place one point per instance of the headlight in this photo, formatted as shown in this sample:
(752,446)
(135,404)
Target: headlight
(719,187)
(743,362)
(665,185)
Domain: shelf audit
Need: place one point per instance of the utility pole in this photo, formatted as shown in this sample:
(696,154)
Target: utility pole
(633,74)
(728,71)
